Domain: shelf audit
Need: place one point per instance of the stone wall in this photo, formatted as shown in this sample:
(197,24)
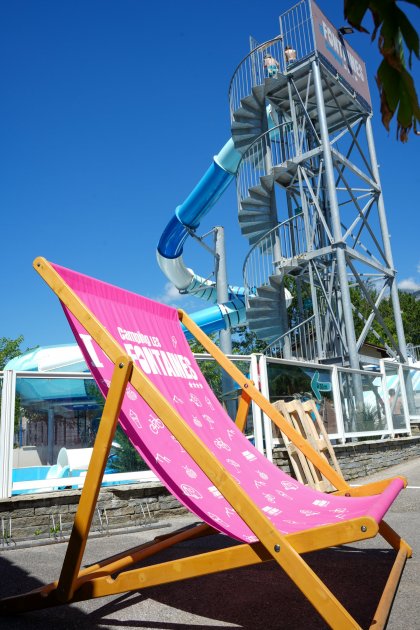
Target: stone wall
(359,459)
(37,516)
(33,517)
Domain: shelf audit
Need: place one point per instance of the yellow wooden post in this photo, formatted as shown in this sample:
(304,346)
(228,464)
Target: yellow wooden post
(242,413)
(90,492)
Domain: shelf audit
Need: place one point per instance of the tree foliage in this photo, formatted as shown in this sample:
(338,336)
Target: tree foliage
(9,349)
(396,85)
(410,313)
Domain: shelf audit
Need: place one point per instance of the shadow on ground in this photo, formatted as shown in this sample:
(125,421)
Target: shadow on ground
(254,598)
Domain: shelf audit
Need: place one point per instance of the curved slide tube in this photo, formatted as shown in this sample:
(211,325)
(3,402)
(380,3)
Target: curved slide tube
(187,217)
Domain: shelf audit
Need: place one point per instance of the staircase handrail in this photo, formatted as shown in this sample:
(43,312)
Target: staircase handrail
(248,153)
(259,243)
(289,332)
(259,48)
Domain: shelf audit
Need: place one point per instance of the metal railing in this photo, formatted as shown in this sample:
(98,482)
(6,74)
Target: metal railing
(296,30)
(301,339)
(284,242)
(272,148)
(251,72)
(413,352)
(334,389)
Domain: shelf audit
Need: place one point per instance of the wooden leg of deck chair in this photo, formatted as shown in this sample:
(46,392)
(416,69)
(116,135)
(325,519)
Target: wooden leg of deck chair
(45,596)
(393,538)
(382,613)
(204,564)
(90,492)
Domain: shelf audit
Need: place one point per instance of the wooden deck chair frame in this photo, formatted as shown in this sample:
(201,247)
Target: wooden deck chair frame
(113,575)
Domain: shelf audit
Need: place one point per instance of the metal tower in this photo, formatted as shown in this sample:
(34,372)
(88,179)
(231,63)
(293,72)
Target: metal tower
(309,194)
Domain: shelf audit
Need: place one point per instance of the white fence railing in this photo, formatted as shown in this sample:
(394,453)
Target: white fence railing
(354,404)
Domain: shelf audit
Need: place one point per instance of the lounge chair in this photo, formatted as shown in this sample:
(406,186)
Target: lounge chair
(142,363)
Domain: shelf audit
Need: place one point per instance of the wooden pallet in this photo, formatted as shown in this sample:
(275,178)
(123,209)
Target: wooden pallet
(305,418)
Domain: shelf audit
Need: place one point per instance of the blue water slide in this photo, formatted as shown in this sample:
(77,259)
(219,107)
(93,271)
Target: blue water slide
(186,219)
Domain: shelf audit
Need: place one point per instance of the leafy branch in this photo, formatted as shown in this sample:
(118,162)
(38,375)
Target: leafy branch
(395,83)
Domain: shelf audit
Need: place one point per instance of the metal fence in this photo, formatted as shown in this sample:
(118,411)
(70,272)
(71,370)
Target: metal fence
(388,404)
(296,30)
(250,72)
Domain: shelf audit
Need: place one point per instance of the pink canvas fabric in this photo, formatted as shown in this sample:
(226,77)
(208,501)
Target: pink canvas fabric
(151,334)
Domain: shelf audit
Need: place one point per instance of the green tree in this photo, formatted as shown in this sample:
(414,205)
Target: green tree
(410,312)
(211,370)
(9,349)
(244,341)
(126,457)
(396,36)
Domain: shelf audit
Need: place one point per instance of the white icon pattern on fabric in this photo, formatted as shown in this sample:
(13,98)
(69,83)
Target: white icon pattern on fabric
(174,341)
(189,491)
(320,502)
(155,425)
(177,400)
(222,445)
(339,512)
(131,394)
(217,519)
(251,539)
(259,484)
(195,385)
(209,420)
(270,498)
(210,404)
(229,511)
(107,382)
(215,492)
(289,485)
(194,399)
(308,512)
(134,417)
(234,464)
(272,511)
(284,495)
(263,475)
(230,433)
(190,472)
(162,459)
(249,456)
(197,422)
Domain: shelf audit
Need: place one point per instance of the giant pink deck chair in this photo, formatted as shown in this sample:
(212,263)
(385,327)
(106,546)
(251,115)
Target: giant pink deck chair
(142,363)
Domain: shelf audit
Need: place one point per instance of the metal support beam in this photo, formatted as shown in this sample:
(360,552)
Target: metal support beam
(335,220)
(387,245)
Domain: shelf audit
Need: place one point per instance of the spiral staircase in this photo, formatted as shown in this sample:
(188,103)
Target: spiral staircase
(257,213)
(265,164)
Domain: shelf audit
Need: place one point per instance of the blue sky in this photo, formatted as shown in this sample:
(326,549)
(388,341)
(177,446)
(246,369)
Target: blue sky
(111,111)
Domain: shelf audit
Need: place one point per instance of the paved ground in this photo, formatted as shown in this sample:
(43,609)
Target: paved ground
(255,598)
